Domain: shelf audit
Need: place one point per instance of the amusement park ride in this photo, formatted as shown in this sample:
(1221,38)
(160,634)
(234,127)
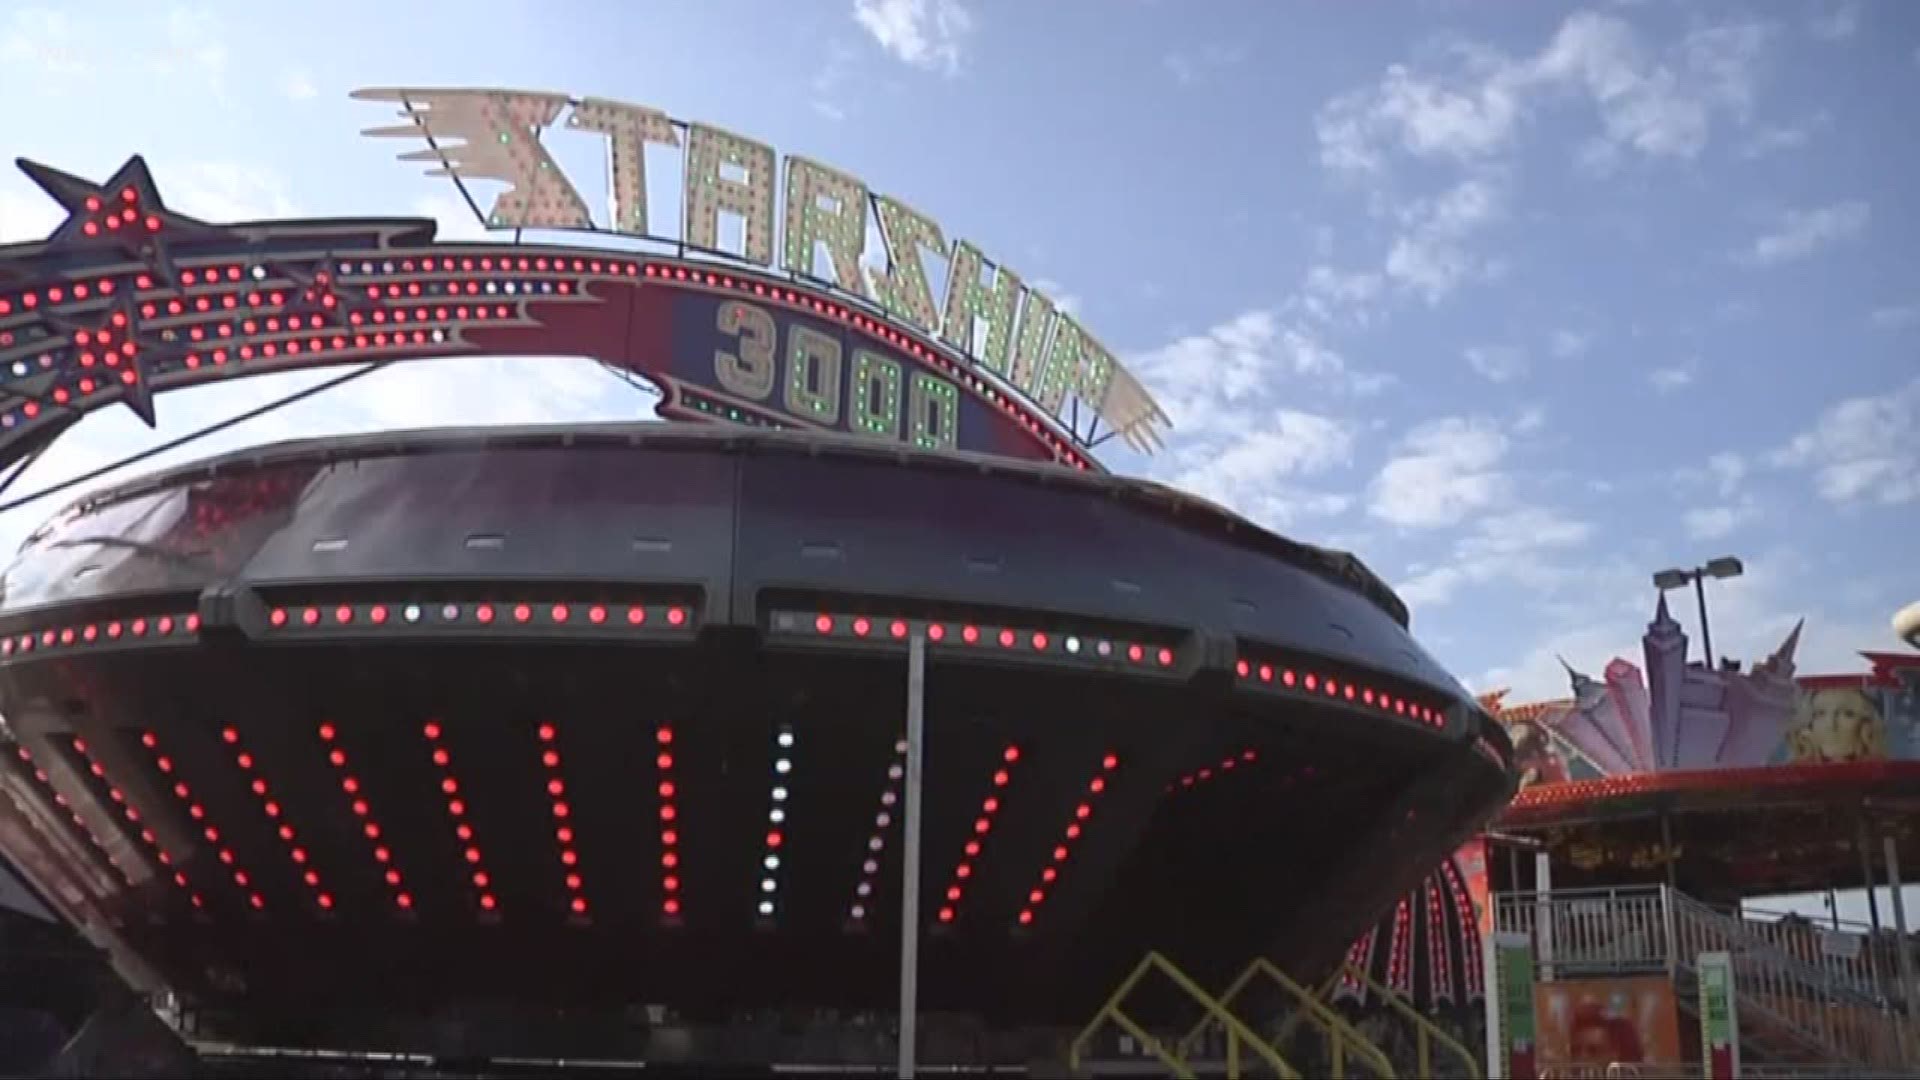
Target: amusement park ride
(862,693)
(858,719)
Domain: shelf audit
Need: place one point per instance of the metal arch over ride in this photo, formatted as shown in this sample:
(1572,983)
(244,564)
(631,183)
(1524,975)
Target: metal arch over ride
(127,299)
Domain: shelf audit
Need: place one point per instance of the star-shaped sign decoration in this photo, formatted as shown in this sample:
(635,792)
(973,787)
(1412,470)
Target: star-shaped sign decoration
(126,213)
(116,351)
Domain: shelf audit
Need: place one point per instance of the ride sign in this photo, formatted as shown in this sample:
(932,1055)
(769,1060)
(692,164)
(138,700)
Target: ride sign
(815,224)
(1719,1018)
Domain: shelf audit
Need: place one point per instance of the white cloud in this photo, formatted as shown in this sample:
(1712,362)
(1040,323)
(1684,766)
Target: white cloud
(1538,674)
(1567,344)
(1653,102)
(1799,233)
(1068,302)
(1531,419)
(927,34)
(1441,472)
(456,219)
(298,85)
(192,45)
(73,43)
(26,215)
(1235,441)
(1724,475)
(1836,24)
(1679,376)
(1250,473)
(224,191)
(1895,316)
(1510,547)
(1779,138)
(1729,469)
(43,41)
(1717,522)
(1460,117)
(829,83)
(1862,449)
(1332,295)
(1191,66)
(1431,256)
(1199,379)
(1497,363)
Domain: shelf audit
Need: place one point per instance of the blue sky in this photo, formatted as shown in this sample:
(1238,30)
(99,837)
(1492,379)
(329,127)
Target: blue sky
(1518,302)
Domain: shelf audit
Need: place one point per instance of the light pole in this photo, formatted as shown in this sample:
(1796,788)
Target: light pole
(1724,567)
(910,857)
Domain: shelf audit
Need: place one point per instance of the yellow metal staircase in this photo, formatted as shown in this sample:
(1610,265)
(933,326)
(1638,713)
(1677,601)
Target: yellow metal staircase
(1239,1035)
(1345,1043)
(1343,1039)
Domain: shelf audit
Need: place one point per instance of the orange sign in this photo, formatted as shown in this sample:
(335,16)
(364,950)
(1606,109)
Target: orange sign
(1608,1021)
(1472,860)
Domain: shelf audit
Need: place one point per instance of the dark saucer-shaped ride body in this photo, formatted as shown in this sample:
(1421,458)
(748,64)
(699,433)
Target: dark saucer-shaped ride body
(337,737)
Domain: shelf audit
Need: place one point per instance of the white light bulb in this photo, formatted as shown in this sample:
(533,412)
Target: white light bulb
(785,739)
(450,612)
(883,819)
(1073,644)
(766,907)
(900,746)
(412,613)
(870,866)
(875,844)
(768,885)
(776,815)
(864,890)
(779,794)
(783,766)
(859,912)
(893,772)
(887,798)
(773,862)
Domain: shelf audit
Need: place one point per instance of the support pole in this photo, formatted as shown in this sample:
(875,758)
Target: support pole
(910,855)
(1543,913)
(1666,849)
(1706,636)
(1905,948)
(1865,843)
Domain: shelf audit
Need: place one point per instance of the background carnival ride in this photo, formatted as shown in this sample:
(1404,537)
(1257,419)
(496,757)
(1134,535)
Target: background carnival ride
(1662,798)
(504,742)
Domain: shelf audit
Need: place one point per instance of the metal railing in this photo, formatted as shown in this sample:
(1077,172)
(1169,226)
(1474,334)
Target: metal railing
(1789,1003)
(1575,930)
(1782,995)
(1848,950)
